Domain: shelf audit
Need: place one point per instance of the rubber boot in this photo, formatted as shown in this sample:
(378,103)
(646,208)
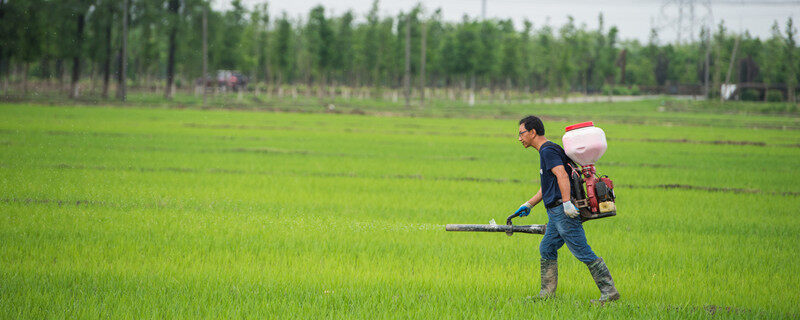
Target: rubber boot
(549,278)
(602,277)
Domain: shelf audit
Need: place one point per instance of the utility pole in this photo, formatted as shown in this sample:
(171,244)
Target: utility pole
(422,58)
(730,68)
(683,15)
(122,90)
(407,78)
(680,20)
(691,23)
(205,52)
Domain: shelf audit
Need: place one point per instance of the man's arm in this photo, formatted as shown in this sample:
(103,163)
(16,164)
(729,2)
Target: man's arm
(563,182)
(563,185)
(525,208)
(536,198)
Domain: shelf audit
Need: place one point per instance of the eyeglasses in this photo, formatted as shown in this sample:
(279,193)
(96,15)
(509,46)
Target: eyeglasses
(521,132)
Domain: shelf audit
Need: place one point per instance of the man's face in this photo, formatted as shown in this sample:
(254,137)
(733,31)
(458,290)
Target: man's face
(525,136)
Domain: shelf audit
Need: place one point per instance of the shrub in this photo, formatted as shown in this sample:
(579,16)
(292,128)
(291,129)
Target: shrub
(607,90)
(774,96)
(620,90)
(750,95)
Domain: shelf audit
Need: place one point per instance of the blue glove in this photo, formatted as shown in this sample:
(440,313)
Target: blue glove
(523,210)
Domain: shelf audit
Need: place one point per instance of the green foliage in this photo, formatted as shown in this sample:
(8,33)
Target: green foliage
(347,50)
(775,96)
(344,52)
(621,90)
(462,48)
(282,48)
(320,39)
(750,95)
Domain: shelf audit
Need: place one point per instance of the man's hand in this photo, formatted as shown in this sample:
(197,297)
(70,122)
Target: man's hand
(523,210)
(570,210)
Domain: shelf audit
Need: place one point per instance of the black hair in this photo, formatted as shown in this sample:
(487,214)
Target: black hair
(533,122)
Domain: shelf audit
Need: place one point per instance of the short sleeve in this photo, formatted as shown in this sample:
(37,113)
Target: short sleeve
(551,158)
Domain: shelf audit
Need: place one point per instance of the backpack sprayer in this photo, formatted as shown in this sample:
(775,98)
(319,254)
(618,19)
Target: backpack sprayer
(592,194)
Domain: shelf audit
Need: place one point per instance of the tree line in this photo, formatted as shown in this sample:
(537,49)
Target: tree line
(69,40)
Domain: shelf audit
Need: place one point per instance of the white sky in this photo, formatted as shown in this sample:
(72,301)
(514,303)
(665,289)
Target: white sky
(633,18)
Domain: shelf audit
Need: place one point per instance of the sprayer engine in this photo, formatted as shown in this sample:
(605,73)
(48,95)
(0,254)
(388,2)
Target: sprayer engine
(593,194)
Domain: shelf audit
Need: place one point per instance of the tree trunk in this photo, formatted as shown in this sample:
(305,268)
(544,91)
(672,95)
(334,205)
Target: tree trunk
(507,94)
(267,71)
(107,61)
(422,57)
(60,73)
(585,83)
(174,5)
(205,53)
(25,66)
(45,66)
(4,66)
(93,78)
(256,47)
(279,84)
(717,76)
(6,80)
(123,60)
(472,90)
(3,71)
(407,75)
(76,59)
(323,85)
(707,71)
(118,73)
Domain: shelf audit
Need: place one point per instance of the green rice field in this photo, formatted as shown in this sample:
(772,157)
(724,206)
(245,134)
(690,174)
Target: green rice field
(155,212)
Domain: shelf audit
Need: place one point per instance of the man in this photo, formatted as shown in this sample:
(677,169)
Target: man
(564,224)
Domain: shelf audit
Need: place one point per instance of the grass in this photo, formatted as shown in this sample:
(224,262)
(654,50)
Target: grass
(184,213)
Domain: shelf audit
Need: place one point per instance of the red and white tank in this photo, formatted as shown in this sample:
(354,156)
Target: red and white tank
(584,143)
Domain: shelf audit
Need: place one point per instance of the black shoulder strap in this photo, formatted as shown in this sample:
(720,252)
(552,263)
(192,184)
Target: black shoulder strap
(550,144)
(569,165)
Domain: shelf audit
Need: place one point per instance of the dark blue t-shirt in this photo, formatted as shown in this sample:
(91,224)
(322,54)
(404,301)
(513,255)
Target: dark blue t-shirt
(551,155)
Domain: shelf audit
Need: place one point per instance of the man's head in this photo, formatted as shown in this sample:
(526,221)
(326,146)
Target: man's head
(531,129)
